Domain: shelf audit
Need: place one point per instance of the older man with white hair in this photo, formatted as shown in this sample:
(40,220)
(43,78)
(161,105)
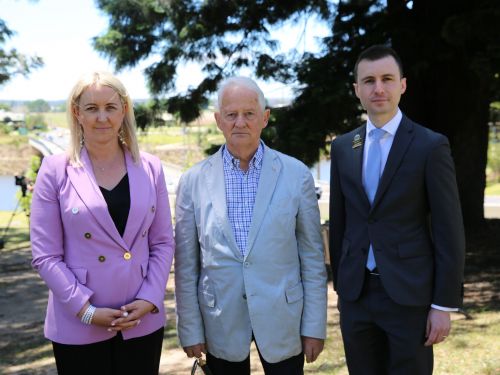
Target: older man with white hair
(249,259)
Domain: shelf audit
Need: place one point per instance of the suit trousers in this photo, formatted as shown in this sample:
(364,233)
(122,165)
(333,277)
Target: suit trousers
(290,366)
(116,356)
(382,337)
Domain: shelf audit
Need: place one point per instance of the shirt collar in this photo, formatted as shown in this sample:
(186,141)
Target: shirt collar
(390,127)
(255,162)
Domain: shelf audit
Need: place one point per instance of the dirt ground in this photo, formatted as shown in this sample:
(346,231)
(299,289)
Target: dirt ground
(14,158)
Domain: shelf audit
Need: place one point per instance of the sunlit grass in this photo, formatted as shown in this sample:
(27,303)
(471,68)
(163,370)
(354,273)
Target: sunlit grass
(17,235)
(57,119)
(493,189)
(473,346)
(159,139)
(13,139)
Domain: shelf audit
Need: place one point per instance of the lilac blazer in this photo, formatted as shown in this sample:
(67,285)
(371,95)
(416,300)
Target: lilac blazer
(79,253)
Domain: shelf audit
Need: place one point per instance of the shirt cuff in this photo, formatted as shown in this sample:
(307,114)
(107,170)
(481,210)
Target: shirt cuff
(449,309)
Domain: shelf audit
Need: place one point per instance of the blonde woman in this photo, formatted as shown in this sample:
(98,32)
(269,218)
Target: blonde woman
(102,238)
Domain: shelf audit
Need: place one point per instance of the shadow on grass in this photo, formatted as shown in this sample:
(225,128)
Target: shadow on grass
(482,268)
(326,368)
(23,297)
(170,336)
(14,238)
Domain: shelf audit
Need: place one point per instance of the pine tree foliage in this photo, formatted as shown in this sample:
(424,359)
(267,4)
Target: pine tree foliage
(12,62)
(450,50)
(222,35)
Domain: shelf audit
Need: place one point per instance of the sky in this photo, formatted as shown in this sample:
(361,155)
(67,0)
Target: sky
(61,31)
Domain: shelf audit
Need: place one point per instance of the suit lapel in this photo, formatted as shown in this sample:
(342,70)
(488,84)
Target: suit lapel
(140,191)
(84,182)
(269,174)
(402,140)
(216,186)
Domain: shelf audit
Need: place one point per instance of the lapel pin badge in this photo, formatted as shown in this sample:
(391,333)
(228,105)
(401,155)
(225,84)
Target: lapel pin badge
(356,142)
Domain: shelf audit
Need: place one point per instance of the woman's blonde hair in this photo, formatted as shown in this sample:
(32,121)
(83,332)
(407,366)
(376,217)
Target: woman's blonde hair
(128,137)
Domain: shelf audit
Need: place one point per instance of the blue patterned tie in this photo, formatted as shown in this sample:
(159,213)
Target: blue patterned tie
(372,178)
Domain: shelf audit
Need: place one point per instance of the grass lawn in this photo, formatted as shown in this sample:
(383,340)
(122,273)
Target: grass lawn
(472,348)
(156,138)
(56,119)
(17,236)
(13,139)
(176,135)
(493,189)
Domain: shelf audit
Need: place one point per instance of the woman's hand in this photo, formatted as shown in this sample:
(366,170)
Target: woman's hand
(103,316)
(131,314)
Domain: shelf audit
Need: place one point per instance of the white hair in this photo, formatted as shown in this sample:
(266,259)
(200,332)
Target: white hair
(241,81)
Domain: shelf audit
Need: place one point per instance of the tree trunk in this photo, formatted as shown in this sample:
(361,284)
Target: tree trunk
(449,100)
(445,94)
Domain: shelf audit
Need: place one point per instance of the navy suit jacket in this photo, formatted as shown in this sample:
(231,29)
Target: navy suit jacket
(414,224)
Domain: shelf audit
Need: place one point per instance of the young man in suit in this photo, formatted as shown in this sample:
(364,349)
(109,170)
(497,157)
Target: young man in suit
(397,241)
(249,260)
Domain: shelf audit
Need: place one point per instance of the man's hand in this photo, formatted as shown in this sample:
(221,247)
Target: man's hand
(195,350)
(312,347)
(438,326)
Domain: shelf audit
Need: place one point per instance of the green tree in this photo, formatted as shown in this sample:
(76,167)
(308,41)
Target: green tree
(36,121)
(12,62)
(148,114)
(450,49)
(5,107)
(494,163)
(143,116)
(38,106)
(58,107)
(25,195)
(182,31)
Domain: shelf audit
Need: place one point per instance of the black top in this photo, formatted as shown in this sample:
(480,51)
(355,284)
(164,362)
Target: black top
(118,201)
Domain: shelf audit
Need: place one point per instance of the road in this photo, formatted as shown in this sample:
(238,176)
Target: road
(491,204)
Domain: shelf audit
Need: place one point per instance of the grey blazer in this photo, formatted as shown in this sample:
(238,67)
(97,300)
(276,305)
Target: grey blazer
(278,290)
(415,222)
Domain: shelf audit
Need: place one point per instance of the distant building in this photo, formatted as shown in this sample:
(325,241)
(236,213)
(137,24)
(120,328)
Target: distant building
(12,118)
